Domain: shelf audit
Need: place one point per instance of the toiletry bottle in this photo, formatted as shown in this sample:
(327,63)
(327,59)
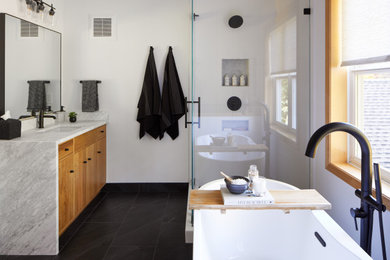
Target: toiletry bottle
(252,174)
(61,115)
(226,80)
(234,80)
(242,80)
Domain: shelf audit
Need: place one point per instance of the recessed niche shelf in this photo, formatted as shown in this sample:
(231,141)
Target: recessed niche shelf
(236,67)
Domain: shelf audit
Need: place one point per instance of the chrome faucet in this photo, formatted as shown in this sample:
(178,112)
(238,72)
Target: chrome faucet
(368,203)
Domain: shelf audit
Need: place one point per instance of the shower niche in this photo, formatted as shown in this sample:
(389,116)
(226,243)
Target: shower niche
(235,72)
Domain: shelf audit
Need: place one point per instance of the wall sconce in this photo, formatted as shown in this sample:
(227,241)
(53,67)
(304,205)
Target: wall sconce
(39,6)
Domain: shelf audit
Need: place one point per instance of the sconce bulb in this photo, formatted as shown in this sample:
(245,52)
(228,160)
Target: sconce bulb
(52,12)
(41,6)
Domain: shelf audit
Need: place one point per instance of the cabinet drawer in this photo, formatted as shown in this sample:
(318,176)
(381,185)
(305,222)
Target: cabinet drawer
(100,132)
(84,140)
(80,142)
(65,149)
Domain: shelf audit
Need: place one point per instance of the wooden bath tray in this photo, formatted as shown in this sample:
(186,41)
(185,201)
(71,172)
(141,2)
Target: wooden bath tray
(284,199)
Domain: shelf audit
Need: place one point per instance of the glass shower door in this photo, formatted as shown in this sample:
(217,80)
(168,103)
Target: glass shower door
(250,68)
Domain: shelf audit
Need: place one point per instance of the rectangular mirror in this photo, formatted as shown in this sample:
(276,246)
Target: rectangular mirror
(28,52)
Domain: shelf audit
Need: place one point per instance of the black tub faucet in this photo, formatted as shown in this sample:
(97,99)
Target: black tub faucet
(368,203)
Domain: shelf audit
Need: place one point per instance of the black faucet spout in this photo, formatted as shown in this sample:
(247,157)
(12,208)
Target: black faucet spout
(366,173)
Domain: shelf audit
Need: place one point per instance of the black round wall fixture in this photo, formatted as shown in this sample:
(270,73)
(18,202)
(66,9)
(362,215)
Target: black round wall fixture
(236,21)
(234,103)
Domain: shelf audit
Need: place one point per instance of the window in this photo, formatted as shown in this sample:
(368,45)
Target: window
(369,109)
(357,84)
(282,66)
(285,100)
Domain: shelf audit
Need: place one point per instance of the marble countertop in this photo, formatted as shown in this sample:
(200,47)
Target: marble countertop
(57,133)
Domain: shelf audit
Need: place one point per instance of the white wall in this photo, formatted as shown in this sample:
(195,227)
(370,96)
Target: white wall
(334,189)
(18,8)
(294,168)
(120,64)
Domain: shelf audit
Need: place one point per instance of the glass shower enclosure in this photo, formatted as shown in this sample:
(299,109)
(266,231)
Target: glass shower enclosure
(250,96)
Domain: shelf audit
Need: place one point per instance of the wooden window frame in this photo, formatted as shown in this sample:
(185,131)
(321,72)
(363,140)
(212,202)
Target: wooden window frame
(336,110)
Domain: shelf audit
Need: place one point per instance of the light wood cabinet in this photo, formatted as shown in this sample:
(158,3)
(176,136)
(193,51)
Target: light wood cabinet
(101,163)
(91,173)
(82,173)
(80,181)
(66,186)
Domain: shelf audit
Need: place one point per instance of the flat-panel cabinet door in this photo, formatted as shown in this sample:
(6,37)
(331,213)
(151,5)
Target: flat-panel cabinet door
(80,165)
(101,163)
(66,192)
(91,176)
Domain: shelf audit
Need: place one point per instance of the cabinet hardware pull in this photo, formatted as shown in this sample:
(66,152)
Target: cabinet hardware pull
(89,159)
(99,152)
(102,131)
(66,149)
(85,162)
(71,171)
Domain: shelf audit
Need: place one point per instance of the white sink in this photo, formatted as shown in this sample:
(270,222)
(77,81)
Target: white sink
(61,129)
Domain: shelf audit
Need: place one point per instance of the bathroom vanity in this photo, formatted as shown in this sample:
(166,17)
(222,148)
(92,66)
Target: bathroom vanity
(47,177)
(82,173)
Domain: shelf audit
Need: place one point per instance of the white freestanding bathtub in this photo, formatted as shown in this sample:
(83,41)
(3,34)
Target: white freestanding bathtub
(270,234)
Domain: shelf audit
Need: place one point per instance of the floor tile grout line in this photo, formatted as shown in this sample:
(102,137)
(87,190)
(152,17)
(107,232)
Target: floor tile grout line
(96,206)
(123,220)
(159,232)
(83,222)
(108,193)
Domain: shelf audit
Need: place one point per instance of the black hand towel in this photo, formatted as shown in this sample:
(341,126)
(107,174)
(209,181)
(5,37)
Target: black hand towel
(36,95)
(90,97)
(149,104)
(173,105)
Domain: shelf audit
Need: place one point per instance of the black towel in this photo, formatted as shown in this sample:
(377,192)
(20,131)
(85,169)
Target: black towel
(173,105)
(36,95)
(90,97)
(149,104)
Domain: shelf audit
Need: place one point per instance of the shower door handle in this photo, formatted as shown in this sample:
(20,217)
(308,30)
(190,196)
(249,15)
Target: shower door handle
(186,116)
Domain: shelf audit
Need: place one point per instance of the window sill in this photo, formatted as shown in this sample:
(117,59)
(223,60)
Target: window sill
(351,175)
(284,132)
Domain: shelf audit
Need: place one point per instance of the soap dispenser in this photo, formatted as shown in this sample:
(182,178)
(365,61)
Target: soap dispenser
(61,115)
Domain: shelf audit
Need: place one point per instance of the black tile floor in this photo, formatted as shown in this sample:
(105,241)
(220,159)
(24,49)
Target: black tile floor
(123,225)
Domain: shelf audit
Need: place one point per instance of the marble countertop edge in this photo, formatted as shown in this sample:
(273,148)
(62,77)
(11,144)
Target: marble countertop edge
(50,135)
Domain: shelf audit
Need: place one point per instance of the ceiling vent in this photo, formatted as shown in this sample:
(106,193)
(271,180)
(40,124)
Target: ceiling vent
(102,27)
(28,29)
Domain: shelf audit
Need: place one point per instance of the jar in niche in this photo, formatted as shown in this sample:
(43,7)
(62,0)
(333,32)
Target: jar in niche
(234,80)
(242,80)
(226,80)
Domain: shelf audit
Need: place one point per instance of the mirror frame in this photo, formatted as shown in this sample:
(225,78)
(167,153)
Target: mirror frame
(2,58)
